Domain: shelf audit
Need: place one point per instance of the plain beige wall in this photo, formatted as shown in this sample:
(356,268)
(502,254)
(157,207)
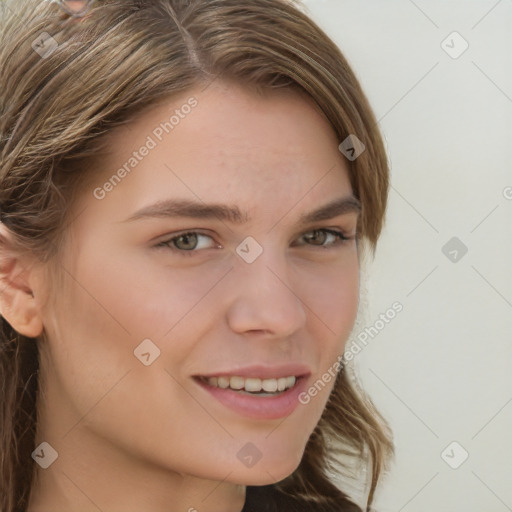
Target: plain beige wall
(440,369)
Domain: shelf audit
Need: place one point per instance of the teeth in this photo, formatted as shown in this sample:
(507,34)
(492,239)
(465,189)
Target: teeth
(252,384)
(269,385)
(236,383)
(290,381)
(281,383)
(223,382)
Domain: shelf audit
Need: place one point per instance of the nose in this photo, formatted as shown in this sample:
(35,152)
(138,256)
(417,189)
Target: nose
(264,298)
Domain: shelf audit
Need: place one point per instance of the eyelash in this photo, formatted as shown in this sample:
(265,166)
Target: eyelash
(341,240)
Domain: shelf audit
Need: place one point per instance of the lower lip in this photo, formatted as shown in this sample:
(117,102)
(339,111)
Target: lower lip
(259,407)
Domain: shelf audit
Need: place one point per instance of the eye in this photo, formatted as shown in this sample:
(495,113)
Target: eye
(187,242)
(320,236)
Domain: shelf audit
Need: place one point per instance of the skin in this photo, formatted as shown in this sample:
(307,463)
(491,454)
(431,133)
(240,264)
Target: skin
(146,438)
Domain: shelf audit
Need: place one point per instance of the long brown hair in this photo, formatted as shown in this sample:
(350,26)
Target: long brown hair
(125,56)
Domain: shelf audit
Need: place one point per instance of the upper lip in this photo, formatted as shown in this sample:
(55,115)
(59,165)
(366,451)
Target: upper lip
(263,371)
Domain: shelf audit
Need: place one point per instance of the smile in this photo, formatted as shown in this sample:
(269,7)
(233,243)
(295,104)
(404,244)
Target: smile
(251,385)
(252,397)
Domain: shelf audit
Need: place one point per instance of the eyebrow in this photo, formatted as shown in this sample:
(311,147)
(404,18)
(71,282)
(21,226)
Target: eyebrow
(191,209)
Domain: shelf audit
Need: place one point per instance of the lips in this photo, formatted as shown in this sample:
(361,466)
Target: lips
(258,391)
(262,372)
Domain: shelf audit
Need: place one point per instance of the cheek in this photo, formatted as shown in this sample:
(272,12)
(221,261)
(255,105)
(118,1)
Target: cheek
(333,296)
(90,350)
(97,383)
(331,292)
(146,293)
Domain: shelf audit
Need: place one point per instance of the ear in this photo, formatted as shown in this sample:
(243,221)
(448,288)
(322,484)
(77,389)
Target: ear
(18,304)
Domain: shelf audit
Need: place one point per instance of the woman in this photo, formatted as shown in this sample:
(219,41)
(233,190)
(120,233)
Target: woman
(187,190)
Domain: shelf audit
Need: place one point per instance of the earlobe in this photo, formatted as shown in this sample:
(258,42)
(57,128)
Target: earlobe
(18,304)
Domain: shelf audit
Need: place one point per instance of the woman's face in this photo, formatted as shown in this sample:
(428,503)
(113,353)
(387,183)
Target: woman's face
(263,293)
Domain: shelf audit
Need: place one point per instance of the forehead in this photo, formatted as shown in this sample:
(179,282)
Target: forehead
(225,143)
(228,119)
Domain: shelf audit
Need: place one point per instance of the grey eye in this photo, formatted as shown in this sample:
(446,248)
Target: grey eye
(316,237)
(189,239)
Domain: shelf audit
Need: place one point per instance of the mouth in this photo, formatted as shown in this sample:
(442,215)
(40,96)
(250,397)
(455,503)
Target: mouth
(254,397)
(253,386)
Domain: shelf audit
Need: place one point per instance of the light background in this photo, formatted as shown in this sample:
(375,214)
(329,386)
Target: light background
(440,370)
